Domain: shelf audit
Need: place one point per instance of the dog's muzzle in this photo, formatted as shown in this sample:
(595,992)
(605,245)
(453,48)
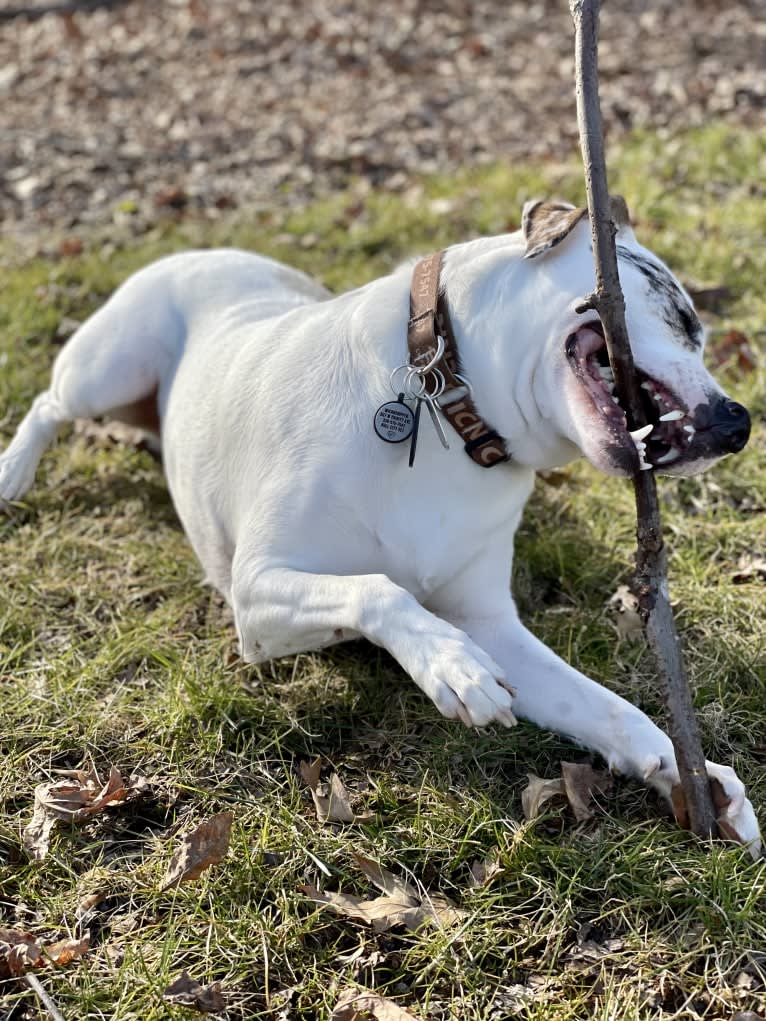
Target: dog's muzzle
(729,426)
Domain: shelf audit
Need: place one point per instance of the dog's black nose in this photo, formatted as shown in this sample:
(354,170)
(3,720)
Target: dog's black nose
(730,426)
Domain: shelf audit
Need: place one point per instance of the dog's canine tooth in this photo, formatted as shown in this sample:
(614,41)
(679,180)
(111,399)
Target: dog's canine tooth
(646,385)
(615,399)
(672,416)
(672,455)
(645,466)
(639,434)
(690,430)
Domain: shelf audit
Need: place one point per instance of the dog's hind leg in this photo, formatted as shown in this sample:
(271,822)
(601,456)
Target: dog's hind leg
(111,366)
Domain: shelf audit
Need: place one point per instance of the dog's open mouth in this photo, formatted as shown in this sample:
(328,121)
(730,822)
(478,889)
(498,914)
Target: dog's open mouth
(669,432)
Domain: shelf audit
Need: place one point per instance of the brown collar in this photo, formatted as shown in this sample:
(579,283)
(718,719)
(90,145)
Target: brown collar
(429,318)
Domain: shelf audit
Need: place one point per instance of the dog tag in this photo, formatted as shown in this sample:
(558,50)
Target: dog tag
(394,421)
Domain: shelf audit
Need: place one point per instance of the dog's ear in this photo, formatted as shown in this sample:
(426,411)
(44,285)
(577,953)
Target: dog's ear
(618,207)
(546,224)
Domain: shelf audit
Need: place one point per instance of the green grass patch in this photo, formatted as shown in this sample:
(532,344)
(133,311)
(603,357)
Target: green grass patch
(112,651)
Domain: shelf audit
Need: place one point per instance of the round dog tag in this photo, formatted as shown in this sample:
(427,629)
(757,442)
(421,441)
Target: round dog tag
(394,421)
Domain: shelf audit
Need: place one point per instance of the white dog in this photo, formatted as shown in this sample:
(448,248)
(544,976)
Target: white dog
(266,392)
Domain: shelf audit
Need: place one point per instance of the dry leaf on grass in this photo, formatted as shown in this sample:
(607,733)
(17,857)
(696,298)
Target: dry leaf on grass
(76,798)
(331,799)
(624,606)
(577,784)
(202,847)
(733,347)
(185,992)
(581,782)
(401,903)
(750,567)
(19,952)
(353,1006)
(538,792)
(483,872)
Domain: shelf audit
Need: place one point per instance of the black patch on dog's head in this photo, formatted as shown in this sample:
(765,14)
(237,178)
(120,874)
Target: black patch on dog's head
(676,310)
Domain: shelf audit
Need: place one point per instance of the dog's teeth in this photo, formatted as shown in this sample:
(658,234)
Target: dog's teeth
(672,455)
(657,397)
(646,385)
(615,399)
(645,466)
(639,434)
(672,416)
(690,430)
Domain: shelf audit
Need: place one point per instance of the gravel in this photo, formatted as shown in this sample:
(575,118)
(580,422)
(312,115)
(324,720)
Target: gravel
(111,108)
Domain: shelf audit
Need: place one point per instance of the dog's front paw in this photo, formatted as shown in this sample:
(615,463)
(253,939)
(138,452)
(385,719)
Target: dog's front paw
(735,815)
(464,682)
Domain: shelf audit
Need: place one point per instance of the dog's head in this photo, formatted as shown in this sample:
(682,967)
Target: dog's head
(569,387)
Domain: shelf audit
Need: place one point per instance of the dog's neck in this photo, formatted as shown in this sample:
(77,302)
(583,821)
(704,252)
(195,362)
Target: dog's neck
(433,348)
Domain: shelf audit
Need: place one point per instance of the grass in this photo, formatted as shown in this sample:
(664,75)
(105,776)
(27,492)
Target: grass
(112,651)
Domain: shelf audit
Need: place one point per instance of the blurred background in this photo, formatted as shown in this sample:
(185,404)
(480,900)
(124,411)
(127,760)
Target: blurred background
(123,108)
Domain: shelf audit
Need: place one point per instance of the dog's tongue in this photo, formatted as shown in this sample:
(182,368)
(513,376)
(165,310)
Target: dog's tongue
(588,341)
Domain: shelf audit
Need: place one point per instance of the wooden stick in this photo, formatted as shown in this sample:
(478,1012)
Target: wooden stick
(651,556)
(36,986)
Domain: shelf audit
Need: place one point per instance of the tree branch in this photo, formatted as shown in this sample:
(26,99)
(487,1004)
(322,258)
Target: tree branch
(651,556)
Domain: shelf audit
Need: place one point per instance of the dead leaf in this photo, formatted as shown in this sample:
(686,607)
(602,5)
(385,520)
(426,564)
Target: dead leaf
(67,950)
(401,903)
(74,799)
(331,799)
(750,567)
(185,992)
(18,952)
(538,792)
(624,605)
(70,246)
(202,847)
(354,1006)
(580,783)
(733,346)
(483,872)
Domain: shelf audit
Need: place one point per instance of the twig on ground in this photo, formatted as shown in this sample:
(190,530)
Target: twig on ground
(651,556)
(37,988)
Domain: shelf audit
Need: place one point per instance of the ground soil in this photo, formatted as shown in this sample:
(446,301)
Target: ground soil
(108,108)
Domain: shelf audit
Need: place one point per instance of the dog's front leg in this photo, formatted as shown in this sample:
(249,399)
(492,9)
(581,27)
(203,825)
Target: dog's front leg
(279,611)
(553,695)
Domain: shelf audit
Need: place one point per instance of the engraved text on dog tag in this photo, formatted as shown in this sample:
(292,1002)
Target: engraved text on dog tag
(394,421)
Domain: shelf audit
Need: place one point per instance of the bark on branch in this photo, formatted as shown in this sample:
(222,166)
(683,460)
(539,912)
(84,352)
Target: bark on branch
(651,556)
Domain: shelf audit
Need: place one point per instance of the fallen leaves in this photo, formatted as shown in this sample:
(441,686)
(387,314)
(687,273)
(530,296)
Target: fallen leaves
(75,799)
(331,799)
(733,349)
(577,786)
(186,992)
(19,952)
(355,1006)
(750,567)
(200,848)
(401,903)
